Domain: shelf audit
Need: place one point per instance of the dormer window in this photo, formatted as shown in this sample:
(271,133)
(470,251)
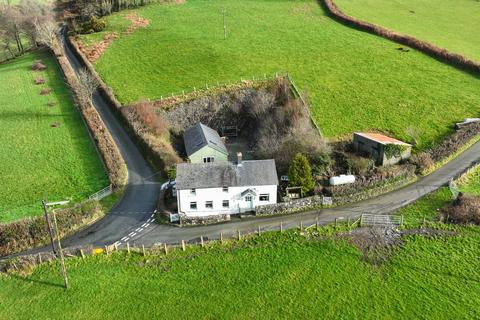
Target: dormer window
(193,191)
(225,189)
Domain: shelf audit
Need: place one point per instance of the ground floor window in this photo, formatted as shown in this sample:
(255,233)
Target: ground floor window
(193,205)
(226,204)
(264,197)
(209,204)
(208,159)
(248,198)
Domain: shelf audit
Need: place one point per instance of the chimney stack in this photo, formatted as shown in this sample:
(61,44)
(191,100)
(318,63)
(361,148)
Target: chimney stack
(239,158)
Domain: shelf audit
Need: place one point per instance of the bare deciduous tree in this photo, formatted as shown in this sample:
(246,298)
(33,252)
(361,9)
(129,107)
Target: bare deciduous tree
(47,33)
(88,85)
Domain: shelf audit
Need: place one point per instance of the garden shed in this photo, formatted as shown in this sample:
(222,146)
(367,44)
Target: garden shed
(383,149)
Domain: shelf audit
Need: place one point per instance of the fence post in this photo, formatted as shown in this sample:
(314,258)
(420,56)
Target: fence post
(143,250)
(301,225)
(81,254)
(361,220)
(239,235)
(336,222)
(106,250)
(259,230)
(202,243)
(128,247)
(281,226)
(39,258)
(401,220)
(316,223)
(165,248)
(348,222)
(183,245)
(221,237)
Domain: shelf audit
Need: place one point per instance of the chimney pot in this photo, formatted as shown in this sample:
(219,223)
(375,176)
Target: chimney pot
(239,158)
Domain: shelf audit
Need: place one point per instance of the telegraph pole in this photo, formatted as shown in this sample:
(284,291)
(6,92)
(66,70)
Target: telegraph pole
(62,259)
(49,224)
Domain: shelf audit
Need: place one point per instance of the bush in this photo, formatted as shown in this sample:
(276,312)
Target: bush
(147,115)
(300,173)
(39,81)
(45,91)
(359,165)
(423,161)
(464,210)
(94,25)
(38,66)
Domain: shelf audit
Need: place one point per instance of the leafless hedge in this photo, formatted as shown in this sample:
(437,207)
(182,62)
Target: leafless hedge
(24,234)
(464,210)
(425,47)
(112,158)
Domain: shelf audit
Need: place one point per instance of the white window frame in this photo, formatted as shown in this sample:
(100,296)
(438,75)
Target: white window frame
(208,159)
(195,204)
(227,202)
(209,204)
(225,189)
(267,195)
(193,191)
(249,198)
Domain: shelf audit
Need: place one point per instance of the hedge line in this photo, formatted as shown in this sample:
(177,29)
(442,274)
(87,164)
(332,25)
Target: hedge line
(107,148)
(423,46)
(149,150)
(24,234)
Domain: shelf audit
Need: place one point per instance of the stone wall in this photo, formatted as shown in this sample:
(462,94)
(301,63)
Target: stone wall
(195,221)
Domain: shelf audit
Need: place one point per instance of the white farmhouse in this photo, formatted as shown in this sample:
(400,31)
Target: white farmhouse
(225,188)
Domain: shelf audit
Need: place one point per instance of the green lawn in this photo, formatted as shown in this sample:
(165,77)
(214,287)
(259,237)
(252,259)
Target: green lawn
(275,276)
(35,157)
(355,81)
(448,24)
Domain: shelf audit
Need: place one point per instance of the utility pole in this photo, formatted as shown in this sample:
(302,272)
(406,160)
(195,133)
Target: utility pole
(49,224)
(224,24)
(62,259)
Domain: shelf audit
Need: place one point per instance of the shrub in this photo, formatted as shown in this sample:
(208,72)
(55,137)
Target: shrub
(38,66)
(464,210)
(300,173)
(45,91)
(359,165)
(39,81)
(94,25)
(423,161)
(171,172)
(147,115)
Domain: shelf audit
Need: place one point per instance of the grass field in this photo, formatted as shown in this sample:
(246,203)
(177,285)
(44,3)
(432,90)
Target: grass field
(274,276)
(448,24)
(355,81)
(35,157)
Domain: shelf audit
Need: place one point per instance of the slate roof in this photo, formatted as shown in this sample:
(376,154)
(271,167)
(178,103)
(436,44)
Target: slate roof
(199,136)
(380,138)
(226,174)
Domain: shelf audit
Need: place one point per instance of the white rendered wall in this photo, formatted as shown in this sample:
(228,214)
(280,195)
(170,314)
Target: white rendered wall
(217,195)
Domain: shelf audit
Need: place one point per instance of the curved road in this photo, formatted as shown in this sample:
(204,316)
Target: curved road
(132,217)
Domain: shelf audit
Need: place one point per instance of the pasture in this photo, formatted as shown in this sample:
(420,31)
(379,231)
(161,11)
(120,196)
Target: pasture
(355,81)
(44,149)
(447,24)
(271,276)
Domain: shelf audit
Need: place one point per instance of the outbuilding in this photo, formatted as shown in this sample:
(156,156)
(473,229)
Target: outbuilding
(204,145)
(383,149)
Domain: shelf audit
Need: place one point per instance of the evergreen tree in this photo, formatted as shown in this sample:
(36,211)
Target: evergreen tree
(300,173)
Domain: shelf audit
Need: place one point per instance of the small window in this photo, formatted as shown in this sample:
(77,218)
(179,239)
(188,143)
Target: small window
(209,204)
(225,189)
(193,205)
(208,159)
(226,204)
(248,198)
(264,197)
(193,191)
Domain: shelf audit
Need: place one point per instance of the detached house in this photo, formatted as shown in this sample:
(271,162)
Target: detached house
(225,188)
(384,150)
(204,145)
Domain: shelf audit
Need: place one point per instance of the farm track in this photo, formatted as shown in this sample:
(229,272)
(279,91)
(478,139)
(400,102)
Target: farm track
(131,219)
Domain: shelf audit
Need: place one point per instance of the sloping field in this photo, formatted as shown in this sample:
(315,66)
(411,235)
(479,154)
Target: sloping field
(37,158)
(354,80)
(448,24)
(276,276)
